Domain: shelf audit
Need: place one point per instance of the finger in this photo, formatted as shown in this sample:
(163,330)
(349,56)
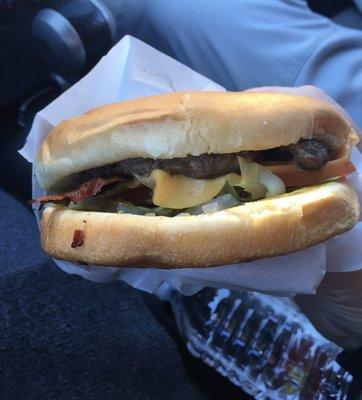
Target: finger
(336,309)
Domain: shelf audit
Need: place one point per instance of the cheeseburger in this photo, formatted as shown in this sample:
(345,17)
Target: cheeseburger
(196,179)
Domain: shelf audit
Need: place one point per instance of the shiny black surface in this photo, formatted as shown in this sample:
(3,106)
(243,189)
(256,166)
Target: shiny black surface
(90,25)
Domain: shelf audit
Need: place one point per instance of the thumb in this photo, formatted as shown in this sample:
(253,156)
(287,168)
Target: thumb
(336,309)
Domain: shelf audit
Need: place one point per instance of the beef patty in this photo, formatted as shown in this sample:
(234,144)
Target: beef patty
(310,154)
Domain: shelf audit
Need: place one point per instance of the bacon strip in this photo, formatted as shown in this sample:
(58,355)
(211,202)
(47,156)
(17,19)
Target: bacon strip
(85,190)
(78,238)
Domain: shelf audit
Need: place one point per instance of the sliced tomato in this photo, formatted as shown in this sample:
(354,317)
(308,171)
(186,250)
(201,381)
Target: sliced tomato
(292,175)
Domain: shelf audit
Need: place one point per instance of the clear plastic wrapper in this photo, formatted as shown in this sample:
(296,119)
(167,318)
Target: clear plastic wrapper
(262,344)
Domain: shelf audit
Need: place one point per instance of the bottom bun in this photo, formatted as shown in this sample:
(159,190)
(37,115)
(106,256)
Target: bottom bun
(254,230)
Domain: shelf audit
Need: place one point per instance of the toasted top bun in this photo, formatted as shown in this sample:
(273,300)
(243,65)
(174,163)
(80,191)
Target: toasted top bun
(258,229)
(180,124)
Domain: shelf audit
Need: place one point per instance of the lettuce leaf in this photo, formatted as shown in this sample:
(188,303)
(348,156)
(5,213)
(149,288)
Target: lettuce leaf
(124,207)
(219,203)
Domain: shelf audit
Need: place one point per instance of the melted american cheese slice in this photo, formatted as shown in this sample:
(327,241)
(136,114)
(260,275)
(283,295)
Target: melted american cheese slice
(179,191)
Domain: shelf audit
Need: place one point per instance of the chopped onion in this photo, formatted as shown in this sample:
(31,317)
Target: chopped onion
(134,183)
(210,208)
(273,183)
(257,180)
(146,180)
(249,178)
(183,214)
(129,208)
(218,204)
(226,201)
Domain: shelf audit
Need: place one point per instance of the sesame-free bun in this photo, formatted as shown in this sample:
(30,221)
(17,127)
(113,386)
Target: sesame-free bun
(258,229)
(180,124)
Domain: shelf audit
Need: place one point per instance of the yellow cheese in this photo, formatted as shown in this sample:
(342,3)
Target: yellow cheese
(179,191)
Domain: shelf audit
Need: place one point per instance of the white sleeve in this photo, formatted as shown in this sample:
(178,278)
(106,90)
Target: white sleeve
(335,66)
(358,4)
(243,44)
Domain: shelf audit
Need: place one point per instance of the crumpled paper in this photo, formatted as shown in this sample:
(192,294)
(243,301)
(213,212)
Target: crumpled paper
(133,69)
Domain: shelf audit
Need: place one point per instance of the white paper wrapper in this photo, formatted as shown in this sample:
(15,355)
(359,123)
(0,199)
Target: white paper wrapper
(133,69)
